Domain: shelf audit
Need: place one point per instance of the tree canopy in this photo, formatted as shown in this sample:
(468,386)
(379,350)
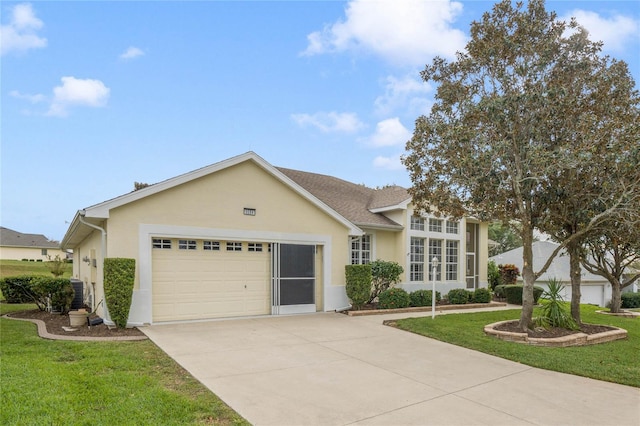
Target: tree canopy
(517,122)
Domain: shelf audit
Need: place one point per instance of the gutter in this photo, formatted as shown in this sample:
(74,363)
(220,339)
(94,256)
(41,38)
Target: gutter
(103,247)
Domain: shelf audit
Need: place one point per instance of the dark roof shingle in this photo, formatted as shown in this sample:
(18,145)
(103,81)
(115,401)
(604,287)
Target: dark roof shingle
(9,237)
(350,200)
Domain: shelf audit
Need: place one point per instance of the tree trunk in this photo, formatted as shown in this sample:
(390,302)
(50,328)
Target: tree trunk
(576,279)
(616,297)
(528,277)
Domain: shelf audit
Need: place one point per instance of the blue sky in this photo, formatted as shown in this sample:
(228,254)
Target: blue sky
(98,95)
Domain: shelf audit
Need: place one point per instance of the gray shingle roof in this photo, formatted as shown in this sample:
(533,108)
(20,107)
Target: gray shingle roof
(351,200)
(11,238)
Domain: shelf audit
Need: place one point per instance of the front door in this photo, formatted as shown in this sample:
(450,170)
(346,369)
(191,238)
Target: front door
(293,278)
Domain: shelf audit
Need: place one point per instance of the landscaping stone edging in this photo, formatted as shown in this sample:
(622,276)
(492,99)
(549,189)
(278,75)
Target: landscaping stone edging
(576,339)
(624,314)
(42,332)
(425,309)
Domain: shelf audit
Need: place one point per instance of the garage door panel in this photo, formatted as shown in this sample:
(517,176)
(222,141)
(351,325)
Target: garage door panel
(198,284)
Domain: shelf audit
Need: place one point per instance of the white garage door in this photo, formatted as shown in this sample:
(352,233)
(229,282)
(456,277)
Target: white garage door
(200,279)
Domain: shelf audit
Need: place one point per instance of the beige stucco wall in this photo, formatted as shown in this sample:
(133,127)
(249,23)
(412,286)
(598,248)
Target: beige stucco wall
(90,272)
(19,253)
(217,201)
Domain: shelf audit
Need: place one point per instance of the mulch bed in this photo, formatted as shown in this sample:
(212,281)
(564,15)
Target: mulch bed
(55,322)
(553,332)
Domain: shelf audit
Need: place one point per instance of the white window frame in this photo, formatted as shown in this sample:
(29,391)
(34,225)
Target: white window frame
(435,225)
(254,247)
(416,260)
(187,245)
(209,245)
(360,249)
(453,227)
(417,223)
(161,243)
(234,246)
(435,250)
(452,259)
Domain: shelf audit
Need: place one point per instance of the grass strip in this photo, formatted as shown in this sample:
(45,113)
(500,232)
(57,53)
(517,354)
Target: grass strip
(613,362)
(98,383)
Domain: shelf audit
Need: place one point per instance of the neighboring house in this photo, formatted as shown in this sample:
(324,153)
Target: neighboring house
(242,237)
(594,289)
(15,245)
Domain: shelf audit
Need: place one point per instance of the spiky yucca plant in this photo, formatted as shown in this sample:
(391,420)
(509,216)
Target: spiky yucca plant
(553,312)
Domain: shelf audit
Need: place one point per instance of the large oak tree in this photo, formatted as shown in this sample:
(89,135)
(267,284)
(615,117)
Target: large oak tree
(514,117)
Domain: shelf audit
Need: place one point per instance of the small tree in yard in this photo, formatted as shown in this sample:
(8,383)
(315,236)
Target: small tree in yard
(518,121)
(119,277)
(384,274)
(57,265)
(612,255)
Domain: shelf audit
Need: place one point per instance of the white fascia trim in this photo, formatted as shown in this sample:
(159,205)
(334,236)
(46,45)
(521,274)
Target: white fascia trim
(401,206)
(147,231)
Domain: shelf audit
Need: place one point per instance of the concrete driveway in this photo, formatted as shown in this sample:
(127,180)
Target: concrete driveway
(331,369)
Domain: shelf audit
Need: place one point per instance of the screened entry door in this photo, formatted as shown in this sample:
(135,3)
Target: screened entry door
(293,278)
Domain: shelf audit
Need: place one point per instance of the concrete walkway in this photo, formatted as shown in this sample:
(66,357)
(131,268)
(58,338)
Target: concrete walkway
(332,369)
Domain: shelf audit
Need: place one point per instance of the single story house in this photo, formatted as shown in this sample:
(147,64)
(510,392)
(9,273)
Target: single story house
(594,289)
(16,245)
(242,237)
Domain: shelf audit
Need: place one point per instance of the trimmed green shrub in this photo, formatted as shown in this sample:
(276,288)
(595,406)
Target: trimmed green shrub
(481,295)
(513,294)
(459,296)
(630,300)
(493,274)
(18,289)
(499,291)
(358,279)
(384,274)
(394,298)
(423,297)
(59,290)
(38,289)
(119,277)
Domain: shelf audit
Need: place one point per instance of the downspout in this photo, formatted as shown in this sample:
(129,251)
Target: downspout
(103,248)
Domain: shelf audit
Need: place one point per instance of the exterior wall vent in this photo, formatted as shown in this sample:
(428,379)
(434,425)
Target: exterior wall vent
(249,212)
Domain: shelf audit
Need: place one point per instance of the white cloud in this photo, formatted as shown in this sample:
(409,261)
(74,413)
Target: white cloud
(34,99)
(131,52)
(389,132)
(388,163)
(20,33)
(407,32)
(77,92)
(407,93)
(614,31)
(345,122)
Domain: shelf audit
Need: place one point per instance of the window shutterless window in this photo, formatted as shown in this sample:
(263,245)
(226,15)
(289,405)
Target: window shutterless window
(159,243)
(361,250)
(435,225)
(254,247)
(234,246)
(211,245)
(452,227)
(187,244)
(416,263)
(417,223)
(451,257)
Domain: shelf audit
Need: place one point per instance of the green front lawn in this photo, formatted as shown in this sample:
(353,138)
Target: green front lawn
(614,362)
(108,383)
(10,268)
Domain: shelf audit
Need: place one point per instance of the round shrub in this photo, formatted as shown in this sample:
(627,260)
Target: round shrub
(18,289)
(481,295)
(459,296)
(630,300)
(423,297)
(499,291)
(393,298)
(513,293)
